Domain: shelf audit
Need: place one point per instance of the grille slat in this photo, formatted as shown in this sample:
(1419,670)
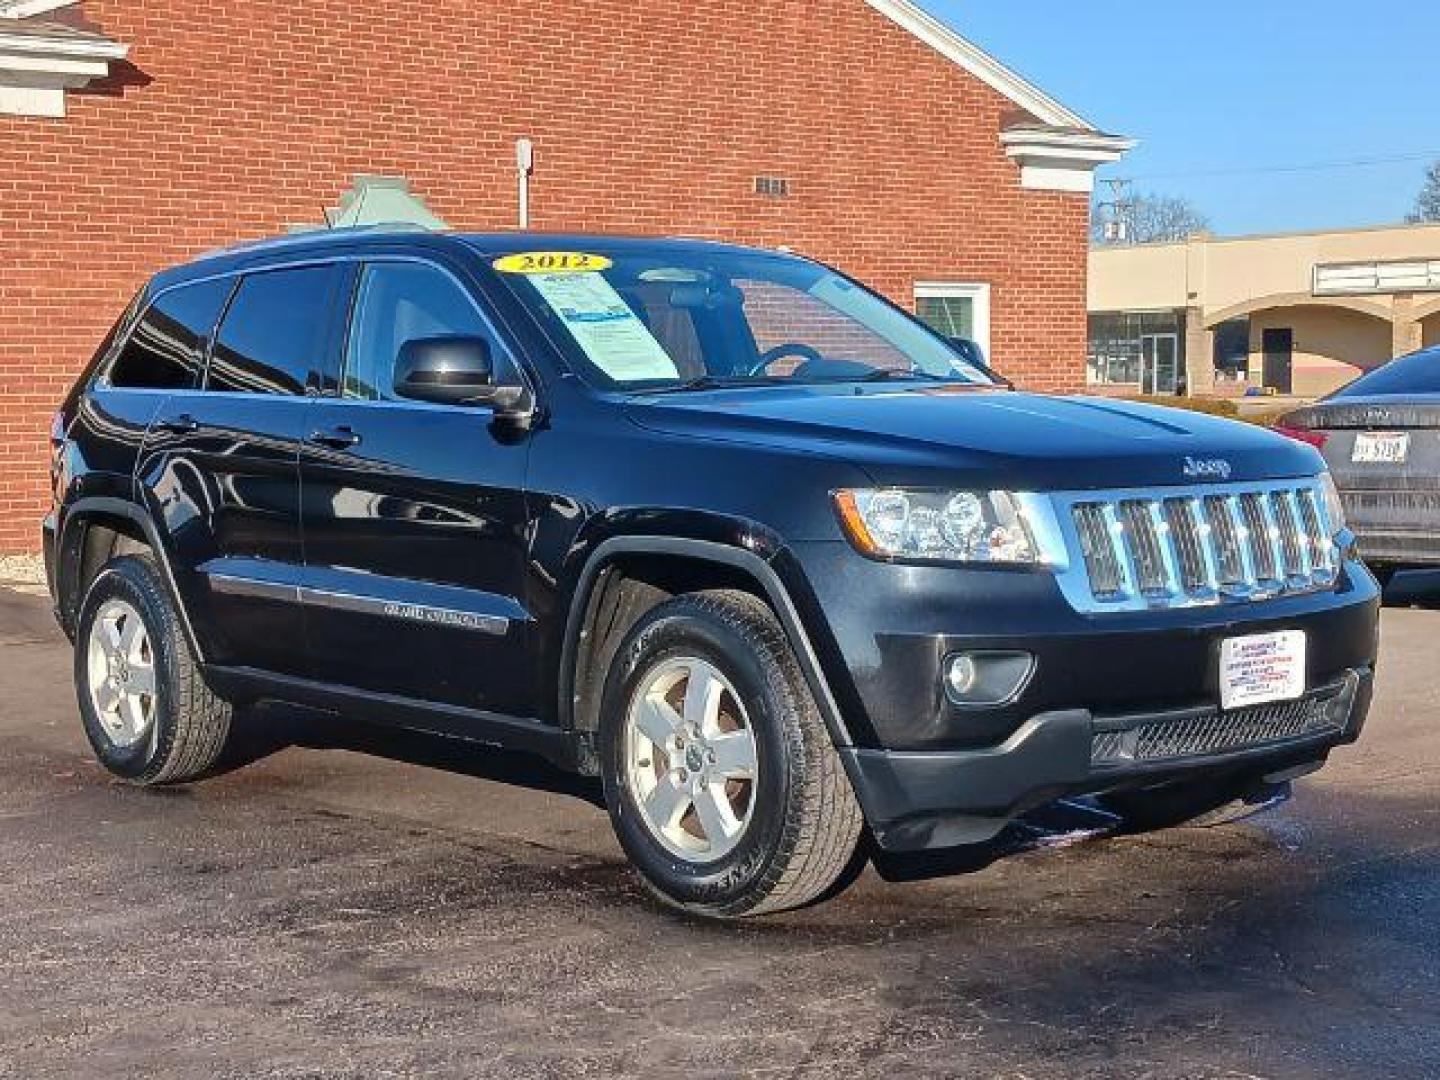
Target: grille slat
(1321,546)
(1225,529)
(1142,542)
(1229,545)
(1259,539)
(1286,508)
(1183,518)
(1097,544)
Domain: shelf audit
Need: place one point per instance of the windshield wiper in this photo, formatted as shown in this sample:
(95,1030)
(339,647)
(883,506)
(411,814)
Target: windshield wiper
(716,382)
(895,375)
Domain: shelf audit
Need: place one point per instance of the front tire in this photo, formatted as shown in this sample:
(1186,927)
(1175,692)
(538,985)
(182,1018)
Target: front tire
(149,714)
(722,780)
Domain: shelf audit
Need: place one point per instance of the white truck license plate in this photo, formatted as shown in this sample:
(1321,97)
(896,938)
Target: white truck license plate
(1381,448)
(1263,668)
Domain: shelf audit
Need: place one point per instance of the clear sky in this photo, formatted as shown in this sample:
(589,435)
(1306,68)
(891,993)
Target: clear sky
(1218,90)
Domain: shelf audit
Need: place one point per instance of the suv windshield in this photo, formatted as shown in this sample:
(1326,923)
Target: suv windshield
(664,317)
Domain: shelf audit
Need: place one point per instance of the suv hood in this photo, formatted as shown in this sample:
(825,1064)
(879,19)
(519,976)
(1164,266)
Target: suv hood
(965,436)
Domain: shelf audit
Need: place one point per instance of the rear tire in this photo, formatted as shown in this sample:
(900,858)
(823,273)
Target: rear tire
(149,714)
(722,780)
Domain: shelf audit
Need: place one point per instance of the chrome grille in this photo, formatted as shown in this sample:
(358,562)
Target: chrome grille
(1228,544)
(1210,731)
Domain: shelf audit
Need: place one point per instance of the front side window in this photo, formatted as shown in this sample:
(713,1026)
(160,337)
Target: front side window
(399,303)
(643,317)
(166,350)
(274,336)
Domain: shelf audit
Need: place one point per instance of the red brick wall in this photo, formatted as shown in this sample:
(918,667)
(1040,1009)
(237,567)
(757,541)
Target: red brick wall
(241,117)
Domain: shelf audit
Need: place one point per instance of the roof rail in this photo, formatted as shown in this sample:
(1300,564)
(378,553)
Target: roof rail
(299,238)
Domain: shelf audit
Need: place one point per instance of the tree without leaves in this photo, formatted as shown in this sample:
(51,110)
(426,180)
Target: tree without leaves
(1427,203)
(1151,219)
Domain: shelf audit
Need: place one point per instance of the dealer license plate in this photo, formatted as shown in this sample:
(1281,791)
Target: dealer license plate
(1381,448)
(1263,668)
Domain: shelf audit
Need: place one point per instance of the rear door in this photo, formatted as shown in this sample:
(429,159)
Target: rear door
(415,514)
(163,355)
(221,467)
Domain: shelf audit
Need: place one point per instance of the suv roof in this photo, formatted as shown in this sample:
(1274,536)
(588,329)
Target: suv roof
(327,241)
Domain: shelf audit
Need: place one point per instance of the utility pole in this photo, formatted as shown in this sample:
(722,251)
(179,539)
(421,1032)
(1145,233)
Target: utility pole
(1120,226)
(525,167)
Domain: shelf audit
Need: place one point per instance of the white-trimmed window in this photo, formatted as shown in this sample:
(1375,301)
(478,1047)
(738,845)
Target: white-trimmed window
(956,309)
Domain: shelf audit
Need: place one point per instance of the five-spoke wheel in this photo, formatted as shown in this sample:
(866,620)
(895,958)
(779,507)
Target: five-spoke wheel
(690,759)
(122,673)
(148,712)
(722,780)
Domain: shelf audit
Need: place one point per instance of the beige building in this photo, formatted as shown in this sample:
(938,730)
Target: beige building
(1301,313)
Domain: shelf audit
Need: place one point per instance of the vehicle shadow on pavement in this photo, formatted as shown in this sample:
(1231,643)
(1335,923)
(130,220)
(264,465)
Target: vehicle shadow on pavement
(261,731)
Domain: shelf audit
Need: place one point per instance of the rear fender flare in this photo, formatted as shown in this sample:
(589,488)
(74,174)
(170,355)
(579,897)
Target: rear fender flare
(69,548)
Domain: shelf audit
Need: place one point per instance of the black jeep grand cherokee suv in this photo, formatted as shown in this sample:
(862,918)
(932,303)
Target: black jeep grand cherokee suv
(783,567)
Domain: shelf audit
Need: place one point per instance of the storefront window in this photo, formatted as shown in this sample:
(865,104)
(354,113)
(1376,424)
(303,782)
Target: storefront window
(1143,350)
(1232,352)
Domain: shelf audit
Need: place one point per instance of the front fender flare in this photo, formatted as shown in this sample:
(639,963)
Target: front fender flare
(705,551)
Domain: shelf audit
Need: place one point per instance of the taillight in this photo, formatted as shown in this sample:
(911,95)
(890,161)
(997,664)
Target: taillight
(57,443)
(1317,439)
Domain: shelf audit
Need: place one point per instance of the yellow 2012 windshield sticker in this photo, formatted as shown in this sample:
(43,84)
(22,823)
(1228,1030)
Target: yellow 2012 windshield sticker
(539,263)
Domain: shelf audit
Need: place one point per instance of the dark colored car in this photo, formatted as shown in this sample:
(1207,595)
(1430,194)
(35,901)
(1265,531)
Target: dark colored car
(794,576)
(1380,435)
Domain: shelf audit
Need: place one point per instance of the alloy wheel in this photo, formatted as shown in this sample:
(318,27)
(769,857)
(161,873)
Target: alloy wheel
(691,759)
(121,662)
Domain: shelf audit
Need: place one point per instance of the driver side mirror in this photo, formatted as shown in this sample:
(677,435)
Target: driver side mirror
(455,371)
(974,355)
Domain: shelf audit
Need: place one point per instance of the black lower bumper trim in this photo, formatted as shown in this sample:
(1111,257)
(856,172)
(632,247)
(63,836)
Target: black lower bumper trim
(917,801)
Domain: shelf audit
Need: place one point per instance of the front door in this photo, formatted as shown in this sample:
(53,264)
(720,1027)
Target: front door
(1159,363)
(414,515)
(1279,349)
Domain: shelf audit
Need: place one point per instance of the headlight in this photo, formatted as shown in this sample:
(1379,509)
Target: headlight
(1334,508)
(940,526)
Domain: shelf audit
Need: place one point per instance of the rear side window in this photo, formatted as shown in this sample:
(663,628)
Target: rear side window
(274,336)
(1418,373)
(166,351)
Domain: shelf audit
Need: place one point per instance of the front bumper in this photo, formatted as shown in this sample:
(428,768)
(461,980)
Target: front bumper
(883,633)
(928,800)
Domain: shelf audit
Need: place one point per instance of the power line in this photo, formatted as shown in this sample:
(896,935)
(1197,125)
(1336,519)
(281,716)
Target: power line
(1322,166)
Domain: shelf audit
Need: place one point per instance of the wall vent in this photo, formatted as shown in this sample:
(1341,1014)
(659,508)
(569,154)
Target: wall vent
(774,187)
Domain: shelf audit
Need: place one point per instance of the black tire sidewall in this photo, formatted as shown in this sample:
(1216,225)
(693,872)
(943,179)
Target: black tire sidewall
(729,885)
(134,581)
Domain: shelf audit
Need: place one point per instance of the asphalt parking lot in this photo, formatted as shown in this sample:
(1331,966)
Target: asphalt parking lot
(343,902)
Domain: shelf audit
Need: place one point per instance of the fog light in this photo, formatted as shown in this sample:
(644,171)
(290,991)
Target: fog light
(988,678)
(962,676)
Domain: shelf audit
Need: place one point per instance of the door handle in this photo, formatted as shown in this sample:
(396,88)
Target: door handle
(184,424)
(340,438)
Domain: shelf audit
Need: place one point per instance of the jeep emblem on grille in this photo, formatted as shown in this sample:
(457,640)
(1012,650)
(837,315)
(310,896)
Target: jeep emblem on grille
(1207,469)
